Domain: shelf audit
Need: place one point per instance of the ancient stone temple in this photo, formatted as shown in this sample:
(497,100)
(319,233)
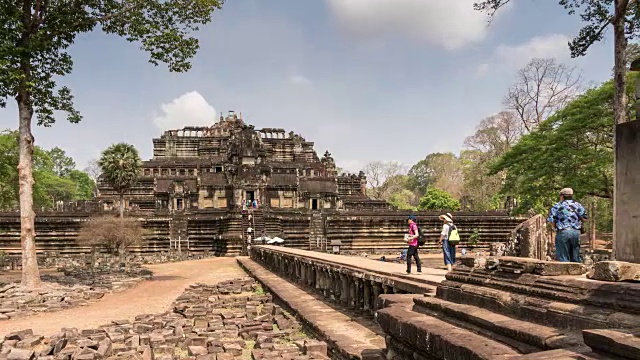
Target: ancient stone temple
(197,195)
(231,164)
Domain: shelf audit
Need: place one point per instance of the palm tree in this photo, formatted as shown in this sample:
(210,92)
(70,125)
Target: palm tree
(120,165)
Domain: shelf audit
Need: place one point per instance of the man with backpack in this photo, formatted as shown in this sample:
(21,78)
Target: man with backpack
(449,238)
(413,240)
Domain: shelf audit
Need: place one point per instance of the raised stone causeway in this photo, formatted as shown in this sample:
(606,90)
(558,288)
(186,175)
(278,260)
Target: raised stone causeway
(346,337)
(352,282)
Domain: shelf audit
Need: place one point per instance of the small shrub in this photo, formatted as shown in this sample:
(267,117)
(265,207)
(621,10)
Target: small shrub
(113,234)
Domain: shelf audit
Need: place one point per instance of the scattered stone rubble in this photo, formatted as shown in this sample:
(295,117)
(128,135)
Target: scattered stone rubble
(231,320)
(76,288)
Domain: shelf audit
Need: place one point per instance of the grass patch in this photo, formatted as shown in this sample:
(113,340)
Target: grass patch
(248,346)
(181,353)
(259,291)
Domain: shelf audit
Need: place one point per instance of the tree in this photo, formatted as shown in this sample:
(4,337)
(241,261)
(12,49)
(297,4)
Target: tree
(622,15)
(120,165)
(34,37)
(542,87)
(403,199)
(84,185)
(62,164)
(574,148)
(436,199)
(440,170)
(378,172)
(496,134)
(115,235)
(480,187)
(93,170)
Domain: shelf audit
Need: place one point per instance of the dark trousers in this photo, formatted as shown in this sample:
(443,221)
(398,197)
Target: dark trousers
(413,251)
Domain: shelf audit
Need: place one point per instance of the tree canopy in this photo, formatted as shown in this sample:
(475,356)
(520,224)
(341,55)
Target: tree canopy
(120,165)
(50,185)
(573,148)
(436,199)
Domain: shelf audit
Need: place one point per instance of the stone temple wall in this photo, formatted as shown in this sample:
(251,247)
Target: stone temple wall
(223,233)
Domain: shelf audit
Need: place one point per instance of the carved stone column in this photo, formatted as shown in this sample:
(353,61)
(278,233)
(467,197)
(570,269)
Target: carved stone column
(367,296)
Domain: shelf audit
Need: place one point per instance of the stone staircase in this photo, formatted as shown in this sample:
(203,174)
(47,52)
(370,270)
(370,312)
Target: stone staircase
(317,236)
(515,308)
(179,232)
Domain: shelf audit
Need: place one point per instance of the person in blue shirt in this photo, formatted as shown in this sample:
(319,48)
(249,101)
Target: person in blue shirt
(566,219)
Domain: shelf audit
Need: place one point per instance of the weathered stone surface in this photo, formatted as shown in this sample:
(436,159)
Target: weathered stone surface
(625,343)
(236,306)
(615,271)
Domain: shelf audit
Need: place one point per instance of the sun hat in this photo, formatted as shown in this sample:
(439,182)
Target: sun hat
(445,218)
(566,191)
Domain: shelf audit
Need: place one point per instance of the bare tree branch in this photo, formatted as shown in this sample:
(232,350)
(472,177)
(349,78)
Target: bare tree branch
(542,87)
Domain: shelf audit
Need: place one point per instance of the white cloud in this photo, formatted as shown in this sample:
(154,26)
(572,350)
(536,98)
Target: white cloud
(450,24)
(299,80)
(482,70)
(545,46)
(189,109)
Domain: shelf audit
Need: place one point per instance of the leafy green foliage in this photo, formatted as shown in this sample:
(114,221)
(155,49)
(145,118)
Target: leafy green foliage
(120,165)
(34,37)
(597,14)
(62,164)
(49,186)
(573,148)
(436,199)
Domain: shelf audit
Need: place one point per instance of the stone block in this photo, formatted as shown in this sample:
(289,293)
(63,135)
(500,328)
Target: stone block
(615,271)
(624,343)
(315,346)
(197,350)
(19,335)
(21,354)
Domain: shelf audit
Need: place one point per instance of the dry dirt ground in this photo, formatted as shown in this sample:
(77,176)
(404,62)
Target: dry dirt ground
(154,296)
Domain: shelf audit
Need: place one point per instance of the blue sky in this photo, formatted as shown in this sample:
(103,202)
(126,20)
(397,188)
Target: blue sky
(389,80)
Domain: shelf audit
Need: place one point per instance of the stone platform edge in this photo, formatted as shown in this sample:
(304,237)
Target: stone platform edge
(338,348)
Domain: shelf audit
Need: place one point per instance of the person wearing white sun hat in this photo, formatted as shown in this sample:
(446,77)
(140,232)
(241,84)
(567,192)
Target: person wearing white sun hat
(448,245)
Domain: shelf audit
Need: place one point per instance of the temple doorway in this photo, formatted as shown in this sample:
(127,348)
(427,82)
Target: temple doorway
(250,196)
(314,204)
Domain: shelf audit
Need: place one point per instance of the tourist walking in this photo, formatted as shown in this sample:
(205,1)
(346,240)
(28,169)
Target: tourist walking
(448,247)
(412,241)
(566,219)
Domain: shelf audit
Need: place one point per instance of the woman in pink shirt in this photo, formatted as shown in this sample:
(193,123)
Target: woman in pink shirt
(412,241)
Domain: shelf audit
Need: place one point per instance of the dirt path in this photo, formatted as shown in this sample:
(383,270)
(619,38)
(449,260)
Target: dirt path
(154,296)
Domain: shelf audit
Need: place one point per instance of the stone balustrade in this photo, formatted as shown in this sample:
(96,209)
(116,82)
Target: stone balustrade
(354,287)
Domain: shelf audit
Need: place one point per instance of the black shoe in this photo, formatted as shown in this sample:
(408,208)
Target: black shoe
(408,272)
(420,271)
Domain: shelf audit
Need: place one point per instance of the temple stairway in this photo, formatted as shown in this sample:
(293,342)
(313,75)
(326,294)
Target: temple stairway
(317,237)
(516,309)
(179,232)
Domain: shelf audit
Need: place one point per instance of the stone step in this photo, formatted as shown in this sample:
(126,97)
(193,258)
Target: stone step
(624,343)
(533,305)
(537,336)
(412,335)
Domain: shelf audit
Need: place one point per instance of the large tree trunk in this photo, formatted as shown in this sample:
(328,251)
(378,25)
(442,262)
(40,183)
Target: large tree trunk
(619,70)
(121,206)
(30,272)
